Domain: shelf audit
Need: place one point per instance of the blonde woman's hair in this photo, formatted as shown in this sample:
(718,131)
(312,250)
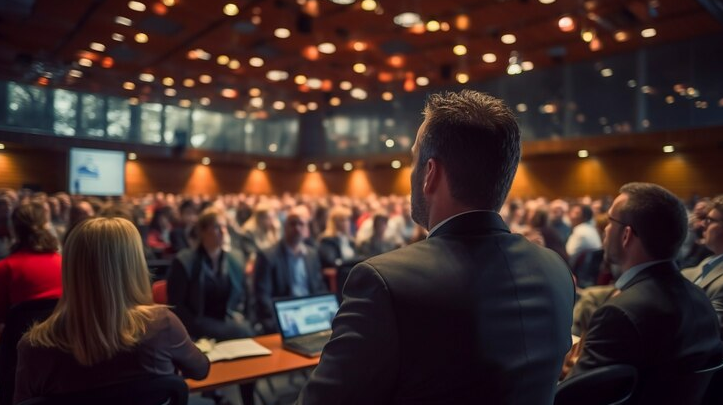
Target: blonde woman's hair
(107,301)
(337,213)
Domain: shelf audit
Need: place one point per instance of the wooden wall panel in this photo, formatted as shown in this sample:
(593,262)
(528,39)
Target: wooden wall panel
(685,173)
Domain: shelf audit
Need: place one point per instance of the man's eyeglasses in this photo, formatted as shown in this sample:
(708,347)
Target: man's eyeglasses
(708,219)
(621,222)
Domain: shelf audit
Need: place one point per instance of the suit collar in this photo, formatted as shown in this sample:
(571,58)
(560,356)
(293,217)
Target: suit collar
(713,274)
(471,223)
(667,266)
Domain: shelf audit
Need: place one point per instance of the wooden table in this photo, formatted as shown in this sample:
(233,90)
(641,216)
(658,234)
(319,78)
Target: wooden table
(248,369)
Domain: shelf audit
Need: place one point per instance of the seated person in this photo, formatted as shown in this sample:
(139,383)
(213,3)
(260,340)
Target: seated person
(377,244)
(105,327)
(289,268)
(32,271)
(206,285)
(336,246)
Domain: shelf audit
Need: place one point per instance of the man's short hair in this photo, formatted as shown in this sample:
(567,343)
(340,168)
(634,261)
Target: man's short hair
(585,212)
(716,204)
(476,139)
(657,217)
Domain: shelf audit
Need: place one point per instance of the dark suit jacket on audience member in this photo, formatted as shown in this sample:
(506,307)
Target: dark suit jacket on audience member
(660,323)
(272,279)
(186,295)
(164,348)
(472,315)
(712,284)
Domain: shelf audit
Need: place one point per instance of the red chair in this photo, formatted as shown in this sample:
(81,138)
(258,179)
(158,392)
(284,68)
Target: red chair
(160,296)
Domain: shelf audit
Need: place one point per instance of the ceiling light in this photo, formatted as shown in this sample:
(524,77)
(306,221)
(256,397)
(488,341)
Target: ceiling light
(343,2)
(459,50)
(136,6)
(345,85)
(256,62)
(254,92)
(422,81)
(85,62)
(622,36)
(359,94)
(222,60)
(201,54)
(314,83)
(146,77)
(277,75)
(256,102)
(170,92)
(169,3)
(168,81)
(123,21)
(668,149)
(607,72)
(311,168)
(204,101)
(184,103)
(508,39)
(396,61)
(240,114)
(348,166)
(107,62)
(368,5)
(327,48)
(433,26)
(389,143)
(444,26)
(669,99)
(189,82)
(205,79)
(582,153)
(234,64)
(462,22)
(299,79)
(547,1)
(132,156)
(514,69)
(141,38)
(335,101)
(118,37)
(75,73)
(261,166)
(566,24)
(273,147)
(310,53)
(97,46)
(160,9)
(129,85)
(312,106)
(230,9)
(462,77)
(256,20)
(648,33)
(587,34)
(133,101)
(595,44)
(407,19)
(489,58)
(396,164)
(229,93)
(360,46)
(301,109)
(206,161)
(522,107)
(359,68)
(282,33)
(527,65)
(387,96)
(279,105)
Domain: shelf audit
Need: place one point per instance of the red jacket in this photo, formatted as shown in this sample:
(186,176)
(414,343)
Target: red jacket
(26,276)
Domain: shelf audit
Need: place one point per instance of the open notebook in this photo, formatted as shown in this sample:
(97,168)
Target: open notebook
(232,349)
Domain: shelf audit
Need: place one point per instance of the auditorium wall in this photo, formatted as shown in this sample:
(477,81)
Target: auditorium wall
(686,173)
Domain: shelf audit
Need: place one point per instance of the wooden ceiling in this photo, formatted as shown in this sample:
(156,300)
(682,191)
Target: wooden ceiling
(42,41)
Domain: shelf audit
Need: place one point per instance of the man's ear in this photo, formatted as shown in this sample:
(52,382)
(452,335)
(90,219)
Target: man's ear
(431,177)
(627,236)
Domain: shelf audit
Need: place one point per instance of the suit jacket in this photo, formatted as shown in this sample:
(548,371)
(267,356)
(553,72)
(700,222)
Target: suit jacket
(660,323)
(712,284)
(472,315)
(186,292)
(272,279)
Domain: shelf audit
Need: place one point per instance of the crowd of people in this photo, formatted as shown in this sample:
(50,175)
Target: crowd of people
(472,279)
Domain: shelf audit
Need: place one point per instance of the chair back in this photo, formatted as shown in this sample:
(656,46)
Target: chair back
(608,385)
(160,293)
(680,387)
(19,319)
(164,389)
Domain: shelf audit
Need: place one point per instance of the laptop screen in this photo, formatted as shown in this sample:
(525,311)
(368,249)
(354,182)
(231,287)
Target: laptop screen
(305,315)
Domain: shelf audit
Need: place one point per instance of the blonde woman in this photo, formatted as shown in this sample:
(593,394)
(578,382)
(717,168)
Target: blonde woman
(336,243)
(105,328)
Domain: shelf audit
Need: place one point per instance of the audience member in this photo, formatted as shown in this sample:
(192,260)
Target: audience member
(660,322)
(32,270)
(709,273)
(584,236)
(471,315)
(159,231)
(290,268)
(184,233)
(550,236)
(336,246)
(694,246)
(377,243)
(105,327)
(558,213)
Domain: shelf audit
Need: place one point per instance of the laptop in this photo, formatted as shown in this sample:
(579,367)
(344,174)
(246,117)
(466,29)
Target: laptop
(305,322)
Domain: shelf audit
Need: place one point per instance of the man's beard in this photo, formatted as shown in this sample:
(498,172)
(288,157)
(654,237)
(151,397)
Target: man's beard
(420,210)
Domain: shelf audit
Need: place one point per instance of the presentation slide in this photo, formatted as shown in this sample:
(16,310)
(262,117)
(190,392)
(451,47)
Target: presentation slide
(96,172)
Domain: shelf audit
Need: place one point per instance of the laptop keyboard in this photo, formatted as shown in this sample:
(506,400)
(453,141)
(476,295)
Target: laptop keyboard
(314,342)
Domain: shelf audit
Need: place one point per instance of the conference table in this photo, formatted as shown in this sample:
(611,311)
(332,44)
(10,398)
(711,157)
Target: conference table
(249,369)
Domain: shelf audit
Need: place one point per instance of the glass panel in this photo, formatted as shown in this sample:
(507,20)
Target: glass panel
(151,123)
(92,120)
(65,107)
(177,126)
(26,105)
(119,118)
(207,129)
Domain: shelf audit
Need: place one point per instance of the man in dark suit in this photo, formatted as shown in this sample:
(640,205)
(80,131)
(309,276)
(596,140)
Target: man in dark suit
(473,314)
(290,268)
(660,322)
